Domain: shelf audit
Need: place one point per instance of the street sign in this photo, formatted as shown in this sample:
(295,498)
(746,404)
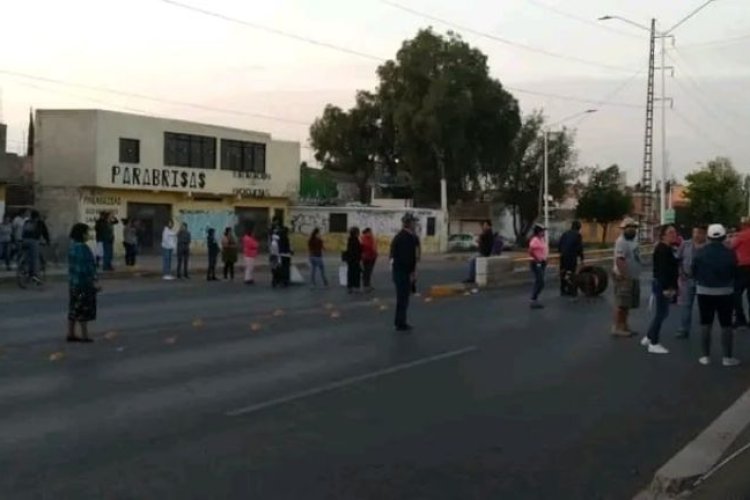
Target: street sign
(669,216)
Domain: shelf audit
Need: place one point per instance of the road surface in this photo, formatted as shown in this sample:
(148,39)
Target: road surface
(228,391)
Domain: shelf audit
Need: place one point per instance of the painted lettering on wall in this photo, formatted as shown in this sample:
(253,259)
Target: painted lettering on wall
(157,177)
(91,205)
(251,192)
(252,175)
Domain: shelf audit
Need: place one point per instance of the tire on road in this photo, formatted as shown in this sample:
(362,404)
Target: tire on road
(592,281)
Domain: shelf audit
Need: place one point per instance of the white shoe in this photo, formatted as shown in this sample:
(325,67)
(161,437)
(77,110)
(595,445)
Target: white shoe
(645,342)
(168,278)
(728,362)
(657,349)
(705,361)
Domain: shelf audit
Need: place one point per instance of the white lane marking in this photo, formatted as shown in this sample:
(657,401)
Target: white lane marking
(347,381)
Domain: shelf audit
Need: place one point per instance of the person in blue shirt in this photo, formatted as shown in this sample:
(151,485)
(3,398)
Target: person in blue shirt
(82,281)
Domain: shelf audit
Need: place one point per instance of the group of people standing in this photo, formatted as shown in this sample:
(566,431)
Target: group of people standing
(702,269)
(360,256)
(22,235)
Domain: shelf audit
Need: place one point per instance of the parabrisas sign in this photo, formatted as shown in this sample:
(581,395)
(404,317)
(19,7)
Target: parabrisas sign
(157,177)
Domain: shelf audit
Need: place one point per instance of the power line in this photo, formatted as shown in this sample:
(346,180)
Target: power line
(272,30)
(580,19)
(504,41)
(572,98)
(689,16)
(109,90)
(713,43)
(698,131)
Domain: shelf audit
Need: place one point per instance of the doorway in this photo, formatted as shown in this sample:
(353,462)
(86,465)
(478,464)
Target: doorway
(151,219)
(257,218)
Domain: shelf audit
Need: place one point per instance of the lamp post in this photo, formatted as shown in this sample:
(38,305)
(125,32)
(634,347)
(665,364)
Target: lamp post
(547,131)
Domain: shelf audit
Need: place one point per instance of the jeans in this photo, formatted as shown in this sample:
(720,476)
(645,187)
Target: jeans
(211,272)
(31,248)
(108,251)
(166,256)
(537,270)
(367,268)
(5,253)
(130,252)
(688,300)
(661,311)
(568,286)
(741,285)
(402,281)
(472,270)
(183,257)
(316,265)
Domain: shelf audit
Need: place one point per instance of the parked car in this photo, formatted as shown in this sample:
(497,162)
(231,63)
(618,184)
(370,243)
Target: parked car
(462,242)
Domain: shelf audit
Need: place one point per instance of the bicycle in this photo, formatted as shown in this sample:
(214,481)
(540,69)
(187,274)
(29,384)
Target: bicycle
(23,272)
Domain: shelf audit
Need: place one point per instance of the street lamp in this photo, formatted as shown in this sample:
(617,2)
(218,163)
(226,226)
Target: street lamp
(547,131)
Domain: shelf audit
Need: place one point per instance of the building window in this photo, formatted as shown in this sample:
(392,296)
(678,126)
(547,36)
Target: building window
(189,151)
(431,226)
(241,156)
(130,150)
(338,223)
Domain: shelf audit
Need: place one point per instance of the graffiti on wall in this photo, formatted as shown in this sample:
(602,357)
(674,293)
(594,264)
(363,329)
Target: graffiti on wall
(199,221)
(306,222)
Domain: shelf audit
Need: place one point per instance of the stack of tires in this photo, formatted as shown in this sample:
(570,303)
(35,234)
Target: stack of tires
(592,281)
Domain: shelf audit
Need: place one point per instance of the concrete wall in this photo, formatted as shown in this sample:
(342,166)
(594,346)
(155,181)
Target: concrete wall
(384,222)
(65,148)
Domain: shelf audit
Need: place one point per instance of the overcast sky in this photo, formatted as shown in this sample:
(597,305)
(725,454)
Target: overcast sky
(152,48)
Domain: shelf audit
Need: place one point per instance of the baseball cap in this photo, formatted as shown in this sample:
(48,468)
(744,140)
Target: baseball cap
(628,222)
(716,231)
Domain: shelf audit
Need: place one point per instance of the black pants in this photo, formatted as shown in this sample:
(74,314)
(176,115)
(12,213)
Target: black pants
(711,306)
(402,281)
(183,256)
(353,275)
(568,286)
(228,270)
(130,252)
(367,268)
(211,274)
(741,285)
(286,270)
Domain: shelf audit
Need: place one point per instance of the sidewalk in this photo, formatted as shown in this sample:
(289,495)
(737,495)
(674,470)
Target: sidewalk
(731,478)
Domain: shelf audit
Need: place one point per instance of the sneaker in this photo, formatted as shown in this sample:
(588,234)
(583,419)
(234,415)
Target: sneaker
(728,362)
(645,342)
(657,349)
(705,361)
(404,328)
(168,278)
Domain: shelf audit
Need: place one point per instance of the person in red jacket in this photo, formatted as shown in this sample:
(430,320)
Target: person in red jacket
(741,246)
(369,257)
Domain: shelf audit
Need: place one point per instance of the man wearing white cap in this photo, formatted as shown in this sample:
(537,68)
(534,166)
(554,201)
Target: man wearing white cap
(715,271)
(627,273)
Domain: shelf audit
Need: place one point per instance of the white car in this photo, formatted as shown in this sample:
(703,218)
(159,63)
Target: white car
(462,242)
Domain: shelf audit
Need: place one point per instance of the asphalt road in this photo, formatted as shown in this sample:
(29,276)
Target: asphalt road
(227,391)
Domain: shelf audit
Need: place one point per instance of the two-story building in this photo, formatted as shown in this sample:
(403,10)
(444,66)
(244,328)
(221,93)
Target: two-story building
(153,170)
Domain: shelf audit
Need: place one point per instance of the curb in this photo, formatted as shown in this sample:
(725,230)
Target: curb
(701,455)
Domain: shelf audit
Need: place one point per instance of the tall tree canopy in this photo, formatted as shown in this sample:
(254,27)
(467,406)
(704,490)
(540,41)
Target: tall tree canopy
(444,112)
(350,141)
(604,199)
(715,193)
(521,186)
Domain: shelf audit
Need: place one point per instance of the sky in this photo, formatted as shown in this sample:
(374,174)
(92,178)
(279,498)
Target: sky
(260,73)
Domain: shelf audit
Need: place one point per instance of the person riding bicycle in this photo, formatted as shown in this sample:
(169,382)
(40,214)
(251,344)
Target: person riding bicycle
(34,232)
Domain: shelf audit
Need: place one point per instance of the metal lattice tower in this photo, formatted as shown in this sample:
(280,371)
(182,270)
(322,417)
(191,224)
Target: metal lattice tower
(647,189)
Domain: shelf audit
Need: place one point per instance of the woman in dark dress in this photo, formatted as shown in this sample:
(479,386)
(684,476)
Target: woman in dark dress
(82,280)
(353,261)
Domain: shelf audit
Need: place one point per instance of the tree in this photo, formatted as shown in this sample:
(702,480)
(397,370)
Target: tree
(603,199)
(715,193)
(521,185)
(349,141)
(443,114)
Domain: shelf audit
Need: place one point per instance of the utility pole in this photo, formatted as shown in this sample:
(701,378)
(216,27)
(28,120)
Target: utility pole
(648,148)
